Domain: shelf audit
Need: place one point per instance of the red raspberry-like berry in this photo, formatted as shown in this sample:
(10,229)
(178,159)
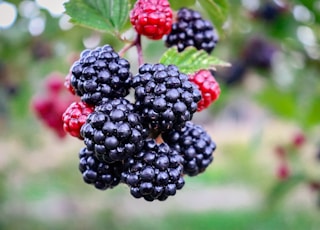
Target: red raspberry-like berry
(152,18)
(75,116)
(298,140)
(68,85)
(51,104)
(280,152)
(283,171)
(209,87)
(48,111)
(54,83)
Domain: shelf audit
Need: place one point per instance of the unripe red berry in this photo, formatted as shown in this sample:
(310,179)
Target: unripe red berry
(152,18)
(209,87)
(50,106)
(283,171)
(75,116)
(68,85)
(49,111)
(298,140)
(54,83)
(280,152)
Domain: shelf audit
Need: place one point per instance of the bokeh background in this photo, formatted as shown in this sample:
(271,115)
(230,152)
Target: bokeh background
(266,172)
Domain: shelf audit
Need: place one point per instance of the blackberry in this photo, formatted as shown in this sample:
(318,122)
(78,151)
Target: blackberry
(165,98)
(155,173)
(195,146)
(100,73)
(101,175)
(258,52)
(192,30)
(270,11)
(233,75)
(113,131)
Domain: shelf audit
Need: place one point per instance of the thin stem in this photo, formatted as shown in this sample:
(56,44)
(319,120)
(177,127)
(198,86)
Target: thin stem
(137,43)
(126,48)
(139,49)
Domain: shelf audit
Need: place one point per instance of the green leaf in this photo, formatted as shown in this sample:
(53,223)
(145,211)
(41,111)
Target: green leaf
(191,60)
(175,5)
(103,15)
(282,188)
(217,11)
(299,103)
(281,103)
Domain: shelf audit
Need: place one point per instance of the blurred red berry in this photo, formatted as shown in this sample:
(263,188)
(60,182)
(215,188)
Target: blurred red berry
(280,151)
(283,171)
(50,106)
(54,83)
(46,110)
(298,140)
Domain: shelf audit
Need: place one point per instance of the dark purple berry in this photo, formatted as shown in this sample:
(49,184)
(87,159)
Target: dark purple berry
(192,30)
(100,73)
(160,97)
(113,131)
(100,174)
(232,75)
(258,52)
(155,173)
(195,146)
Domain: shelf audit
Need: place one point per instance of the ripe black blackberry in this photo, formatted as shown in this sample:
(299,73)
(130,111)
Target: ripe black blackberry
(165,98)
(101,175)
(100,73)
(233,75)
(192,30)
(258,52)
(155,173)
(270,11)
(195,146)
(113,131)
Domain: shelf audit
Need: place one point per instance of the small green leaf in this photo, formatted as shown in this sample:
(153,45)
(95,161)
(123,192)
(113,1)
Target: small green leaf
(103,15)
(282,188)
(281,103)
(217,11)
(191,60)
(175,5)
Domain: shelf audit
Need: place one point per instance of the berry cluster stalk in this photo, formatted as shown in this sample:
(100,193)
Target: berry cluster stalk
(137,44)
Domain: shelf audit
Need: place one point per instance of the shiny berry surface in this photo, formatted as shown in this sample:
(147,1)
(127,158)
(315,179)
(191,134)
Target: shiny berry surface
(209,87)
(152,18)
(75,116)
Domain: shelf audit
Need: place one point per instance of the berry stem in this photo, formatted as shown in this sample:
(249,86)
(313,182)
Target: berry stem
(126,48)
(139,49)
(136,43)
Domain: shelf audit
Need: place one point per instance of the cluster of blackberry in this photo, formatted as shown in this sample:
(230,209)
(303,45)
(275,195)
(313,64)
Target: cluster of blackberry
(190,29)
(148,144)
